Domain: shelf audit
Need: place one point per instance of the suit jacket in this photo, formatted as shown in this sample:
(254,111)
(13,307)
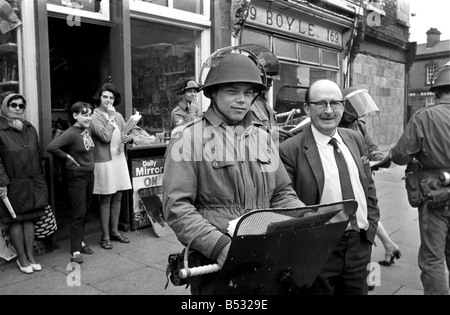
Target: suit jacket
(301,158)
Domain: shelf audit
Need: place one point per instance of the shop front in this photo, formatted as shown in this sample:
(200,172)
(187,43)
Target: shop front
(67,49)
(308,41)
(169,42)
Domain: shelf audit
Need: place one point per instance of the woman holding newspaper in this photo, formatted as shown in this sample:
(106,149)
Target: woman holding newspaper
(111,170)
(22,180)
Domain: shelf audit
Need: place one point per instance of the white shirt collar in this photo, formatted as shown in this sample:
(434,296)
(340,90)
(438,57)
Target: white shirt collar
(322,139)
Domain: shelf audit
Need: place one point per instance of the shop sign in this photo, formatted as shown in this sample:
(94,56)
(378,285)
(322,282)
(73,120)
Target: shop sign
(147,176)
(282,22)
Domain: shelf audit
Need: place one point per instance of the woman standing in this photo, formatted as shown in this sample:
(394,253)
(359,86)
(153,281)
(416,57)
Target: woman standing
(22,179)
(111,169)
(75,145)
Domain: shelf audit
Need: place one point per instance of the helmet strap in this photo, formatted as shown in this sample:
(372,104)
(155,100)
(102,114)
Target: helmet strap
(257,96)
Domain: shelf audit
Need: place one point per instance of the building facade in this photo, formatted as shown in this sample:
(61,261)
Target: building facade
(354,43)
(60,52)
(430,56)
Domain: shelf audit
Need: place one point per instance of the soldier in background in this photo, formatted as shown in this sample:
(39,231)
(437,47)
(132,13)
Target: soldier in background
(426,138)
(359,103)
(186,110)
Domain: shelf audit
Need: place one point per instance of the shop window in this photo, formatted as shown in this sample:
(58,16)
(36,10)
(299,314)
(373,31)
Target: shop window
(289,91)
(157,2)
(330,59)
(249,37)
(162,57)
(309,54)
(9,63)
(194,6)
(94,9)
(285,49)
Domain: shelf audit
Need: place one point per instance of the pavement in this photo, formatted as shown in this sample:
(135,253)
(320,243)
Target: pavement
(139,268)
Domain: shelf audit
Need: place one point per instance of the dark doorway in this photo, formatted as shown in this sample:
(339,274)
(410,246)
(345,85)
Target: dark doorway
(79,63)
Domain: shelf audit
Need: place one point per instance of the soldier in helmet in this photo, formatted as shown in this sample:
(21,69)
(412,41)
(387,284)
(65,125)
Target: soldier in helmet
(359,103)
(186,110)
(221,166)
(426,138)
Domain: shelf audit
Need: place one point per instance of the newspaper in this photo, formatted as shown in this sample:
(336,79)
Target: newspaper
(131,123)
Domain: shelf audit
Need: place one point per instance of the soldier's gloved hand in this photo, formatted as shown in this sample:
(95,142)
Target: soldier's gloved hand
(280,134)
(284,134)
(223,255)
(3,192)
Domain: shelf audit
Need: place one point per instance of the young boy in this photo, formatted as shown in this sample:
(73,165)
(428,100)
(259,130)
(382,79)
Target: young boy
(75,145)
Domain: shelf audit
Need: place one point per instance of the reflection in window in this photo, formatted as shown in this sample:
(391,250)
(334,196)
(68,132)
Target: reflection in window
(330,58)
(84,5)
(286,94)
(194,6)
(284,48)
(309,54)
(249,37)
(157,2)
(162,57)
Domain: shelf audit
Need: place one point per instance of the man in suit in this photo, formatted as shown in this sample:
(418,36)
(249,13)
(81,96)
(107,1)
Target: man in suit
(323,170)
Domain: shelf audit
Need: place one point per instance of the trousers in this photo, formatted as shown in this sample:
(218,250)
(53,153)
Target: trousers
(80,186)
(345,272)
(434,251)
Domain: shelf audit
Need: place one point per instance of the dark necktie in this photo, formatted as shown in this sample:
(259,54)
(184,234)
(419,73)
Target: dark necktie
(344,177)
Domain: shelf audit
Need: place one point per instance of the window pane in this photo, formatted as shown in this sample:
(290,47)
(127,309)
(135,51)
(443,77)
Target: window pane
(162,57)
(85,5)
(330,58)
(249,37)
(286,96)
(430,72)
(9,63)
(285,49)
(309,54)
(157,2)
(194,6)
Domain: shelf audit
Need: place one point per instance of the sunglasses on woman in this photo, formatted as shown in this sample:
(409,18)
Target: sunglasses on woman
(15,105)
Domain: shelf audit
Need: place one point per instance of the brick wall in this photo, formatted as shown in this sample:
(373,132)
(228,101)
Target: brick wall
(385,81)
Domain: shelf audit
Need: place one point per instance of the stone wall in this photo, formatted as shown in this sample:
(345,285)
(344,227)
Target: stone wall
(385,81)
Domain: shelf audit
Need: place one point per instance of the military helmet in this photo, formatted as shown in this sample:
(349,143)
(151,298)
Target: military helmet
(188,85)
(358,102)
(441,78)
(233,68)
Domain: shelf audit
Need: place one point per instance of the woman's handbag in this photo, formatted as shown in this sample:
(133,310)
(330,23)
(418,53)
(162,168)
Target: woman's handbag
(45,225)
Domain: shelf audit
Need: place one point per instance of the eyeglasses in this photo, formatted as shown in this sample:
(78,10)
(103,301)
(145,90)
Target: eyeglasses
(15,105)
(335,105)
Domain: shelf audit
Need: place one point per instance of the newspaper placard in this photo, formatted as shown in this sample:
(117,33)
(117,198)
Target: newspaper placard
(7,251)
(146,173)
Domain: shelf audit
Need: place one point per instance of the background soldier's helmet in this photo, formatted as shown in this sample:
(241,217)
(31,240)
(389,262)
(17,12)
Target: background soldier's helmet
(233,68)
(358,102)
(441,78)
(188,85)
